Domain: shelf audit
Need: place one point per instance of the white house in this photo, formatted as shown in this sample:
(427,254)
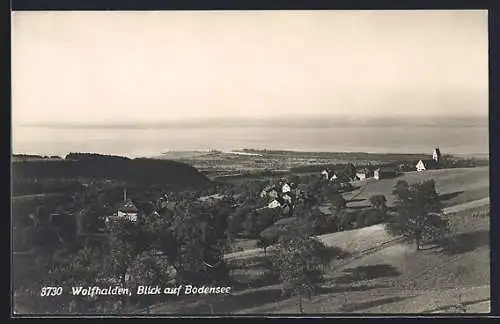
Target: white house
(361,175)
(423,165)
(286,188)
(265,191)
(127,210)
(324,173)
(287,197)
(274,204)
(420,166)
(333,177)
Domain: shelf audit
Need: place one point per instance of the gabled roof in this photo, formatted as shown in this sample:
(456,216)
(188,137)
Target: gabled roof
(128,207)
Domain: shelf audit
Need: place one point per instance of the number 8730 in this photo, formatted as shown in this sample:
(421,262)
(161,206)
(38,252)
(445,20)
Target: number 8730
(51,291)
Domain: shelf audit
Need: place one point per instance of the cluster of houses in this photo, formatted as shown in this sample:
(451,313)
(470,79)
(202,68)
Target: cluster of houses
(387,171)
(282,195)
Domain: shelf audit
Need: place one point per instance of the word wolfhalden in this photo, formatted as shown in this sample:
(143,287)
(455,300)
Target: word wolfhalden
(97,291)
(186,290)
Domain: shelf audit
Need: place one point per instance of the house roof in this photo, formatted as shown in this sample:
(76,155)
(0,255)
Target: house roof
(128,207)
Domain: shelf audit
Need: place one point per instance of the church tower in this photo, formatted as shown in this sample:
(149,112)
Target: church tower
(436,155)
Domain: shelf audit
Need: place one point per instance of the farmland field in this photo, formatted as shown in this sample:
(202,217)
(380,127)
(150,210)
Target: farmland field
(456,186)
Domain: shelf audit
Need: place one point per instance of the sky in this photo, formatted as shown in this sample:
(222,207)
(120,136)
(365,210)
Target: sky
(94,67)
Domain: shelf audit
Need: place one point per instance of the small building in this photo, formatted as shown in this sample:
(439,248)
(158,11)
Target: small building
(264,191)
(429,164)
(329,175)
(385,173)
(364,173)
(274,204)
(361,175)
(270,191)
(128,211)
(286,188)
(287,197)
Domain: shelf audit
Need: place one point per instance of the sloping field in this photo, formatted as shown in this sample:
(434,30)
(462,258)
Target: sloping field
(453,276)
(456,186)
(398,279)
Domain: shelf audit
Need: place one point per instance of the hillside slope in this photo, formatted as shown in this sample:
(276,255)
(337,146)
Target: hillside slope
(456,186)
(140,171)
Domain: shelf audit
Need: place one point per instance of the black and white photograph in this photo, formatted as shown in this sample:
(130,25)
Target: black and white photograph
(272,162)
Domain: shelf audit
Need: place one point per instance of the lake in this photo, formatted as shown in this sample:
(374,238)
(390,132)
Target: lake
(134,142)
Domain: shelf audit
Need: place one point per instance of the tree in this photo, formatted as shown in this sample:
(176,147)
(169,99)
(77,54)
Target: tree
(379,202)
(419,212)
(348,173)
(298,261)
(269,236)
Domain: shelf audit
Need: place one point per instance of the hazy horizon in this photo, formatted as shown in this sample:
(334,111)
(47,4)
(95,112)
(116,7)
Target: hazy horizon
(117,68)
(283,121)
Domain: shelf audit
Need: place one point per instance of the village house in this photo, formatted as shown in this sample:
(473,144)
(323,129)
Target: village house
(329,175)
(286,188)
(126,210)
(428,164)
(364,174)
(270,191)
(287,197)
(274,204)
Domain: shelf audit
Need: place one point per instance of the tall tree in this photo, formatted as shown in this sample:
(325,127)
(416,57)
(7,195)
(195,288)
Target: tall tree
(419,212)
(379,202)
(298,260)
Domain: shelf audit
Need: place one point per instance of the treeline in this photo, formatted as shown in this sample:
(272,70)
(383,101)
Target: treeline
(93,156)
(29,157)
(93,166)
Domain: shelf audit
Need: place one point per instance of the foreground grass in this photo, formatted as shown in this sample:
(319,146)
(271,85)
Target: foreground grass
(396,279)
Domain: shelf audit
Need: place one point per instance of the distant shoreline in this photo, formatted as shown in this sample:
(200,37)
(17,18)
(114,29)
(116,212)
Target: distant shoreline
(256,153)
